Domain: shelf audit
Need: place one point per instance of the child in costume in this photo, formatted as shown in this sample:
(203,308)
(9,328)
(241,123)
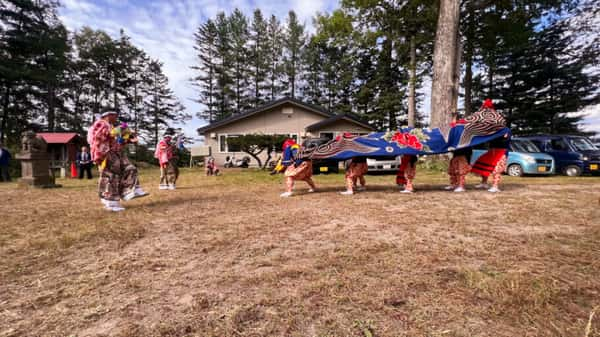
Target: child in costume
(493,163)
(355,172)
(407,172)
(118,177)
(459,168)
(167,159)
(211,167)
(295,168)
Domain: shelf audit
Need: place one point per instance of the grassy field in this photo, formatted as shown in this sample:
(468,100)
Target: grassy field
(225,256)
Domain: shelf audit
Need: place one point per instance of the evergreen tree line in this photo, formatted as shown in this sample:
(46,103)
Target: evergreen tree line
(536,58)
(55,80)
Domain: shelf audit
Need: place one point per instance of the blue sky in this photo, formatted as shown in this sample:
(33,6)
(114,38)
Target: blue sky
(164,29)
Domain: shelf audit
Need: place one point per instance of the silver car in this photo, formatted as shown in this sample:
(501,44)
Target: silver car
(383,164)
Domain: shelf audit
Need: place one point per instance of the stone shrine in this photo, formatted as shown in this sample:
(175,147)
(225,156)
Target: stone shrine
(35,162)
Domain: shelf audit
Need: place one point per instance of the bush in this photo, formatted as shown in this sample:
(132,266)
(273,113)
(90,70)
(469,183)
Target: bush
(437,163)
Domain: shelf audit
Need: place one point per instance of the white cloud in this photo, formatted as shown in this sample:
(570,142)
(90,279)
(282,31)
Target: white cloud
(165,29)
(591,120)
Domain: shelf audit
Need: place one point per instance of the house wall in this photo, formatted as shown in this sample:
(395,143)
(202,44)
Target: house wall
(274,121)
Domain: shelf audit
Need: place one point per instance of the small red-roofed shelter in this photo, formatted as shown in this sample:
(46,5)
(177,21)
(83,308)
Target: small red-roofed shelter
(63,148)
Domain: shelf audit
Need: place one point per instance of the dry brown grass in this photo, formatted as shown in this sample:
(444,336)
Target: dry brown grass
(226,256)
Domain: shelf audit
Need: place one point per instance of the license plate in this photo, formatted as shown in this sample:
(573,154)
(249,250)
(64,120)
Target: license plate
(387,167)
(323,169)
(541,168)
(593,166)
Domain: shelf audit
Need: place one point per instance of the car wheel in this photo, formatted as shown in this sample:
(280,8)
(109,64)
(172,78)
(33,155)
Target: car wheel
(515,170)
(572,171)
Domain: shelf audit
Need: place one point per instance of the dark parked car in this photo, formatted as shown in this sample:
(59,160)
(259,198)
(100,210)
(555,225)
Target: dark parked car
(322,166)
(573,155)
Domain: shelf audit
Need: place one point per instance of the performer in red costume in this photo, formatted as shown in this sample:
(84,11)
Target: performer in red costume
(406,173)
(295,168)
(459,165)
(355,172)
(493,162)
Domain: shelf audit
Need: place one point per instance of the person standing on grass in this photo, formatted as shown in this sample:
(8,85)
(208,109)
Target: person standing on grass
(493,163)
(118,177)
(407,173)
(5,158)
(211,167)
(167,159)
(295,168)
(458,169)
(355,172)
(84,162)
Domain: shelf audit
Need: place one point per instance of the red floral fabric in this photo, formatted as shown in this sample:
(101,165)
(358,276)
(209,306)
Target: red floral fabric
(408,140)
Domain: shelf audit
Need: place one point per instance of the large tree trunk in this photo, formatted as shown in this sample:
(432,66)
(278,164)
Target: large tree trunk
(469,50)
(412,83)
(5,103)
(457,64)
(444,63)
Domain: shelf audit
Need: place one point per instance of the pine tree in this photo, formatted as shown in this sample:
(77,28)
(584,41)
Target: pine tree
(95,51)
(258,57)
(33,62)
(223,68)
(313,91)
(274,58)
(161,105)
(206,81)
(139,78)
(239,54)
(294,42)
(332,47)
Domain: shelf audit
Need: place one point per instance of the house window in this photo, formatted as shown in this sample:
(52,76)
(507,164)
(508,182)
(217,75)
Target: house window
(328,135)
(222,143)
(293,136)
(224,147)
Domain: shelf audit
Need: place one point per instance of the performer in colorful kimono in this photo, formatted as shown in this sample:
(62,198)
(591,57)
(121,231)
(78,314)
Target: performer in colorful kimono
(166,153)
(492,163)
(406,173)
(118,177)
(355,172)
(295,168)
(458,169)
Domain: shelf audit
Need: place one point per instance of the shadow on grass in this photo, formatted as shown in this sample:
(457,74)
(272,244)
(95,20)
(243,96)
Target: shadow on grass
(395,189)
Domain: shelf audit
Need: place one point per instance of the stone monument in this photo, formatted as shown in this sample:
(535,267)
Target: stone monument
(35,162)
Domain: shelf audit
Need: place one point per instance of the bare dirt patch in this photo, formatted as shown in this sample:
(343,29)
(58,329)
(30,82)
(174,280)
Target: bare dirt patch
(226,256)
